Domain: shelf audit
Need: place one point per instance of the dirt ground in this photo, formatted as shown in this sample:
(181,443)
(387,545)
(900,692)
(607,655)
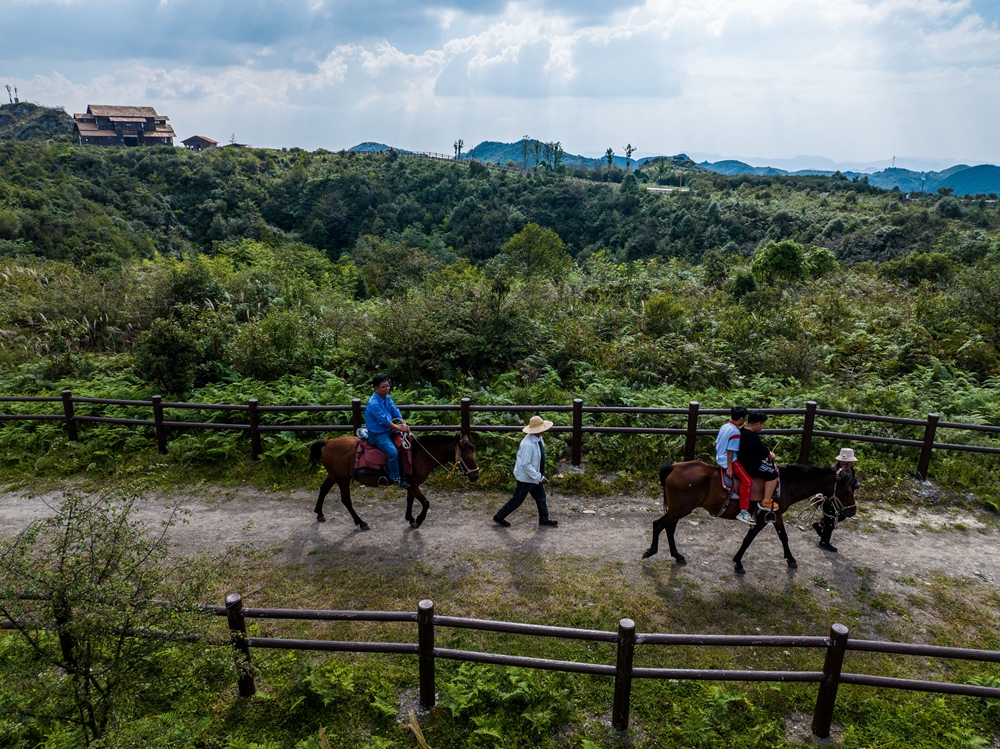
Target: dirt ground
(888,550)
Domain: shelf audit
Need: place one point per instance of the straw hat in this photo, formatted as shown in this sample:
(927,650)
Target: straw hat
(846,456)
(537,425)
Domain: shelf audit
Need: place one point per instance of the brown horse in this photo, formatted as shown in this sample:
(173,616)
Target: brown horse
(693,484)
(429,452)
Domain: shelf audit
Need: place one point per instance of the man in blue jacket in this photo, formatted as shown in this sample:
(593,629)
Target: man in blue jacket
(379,415)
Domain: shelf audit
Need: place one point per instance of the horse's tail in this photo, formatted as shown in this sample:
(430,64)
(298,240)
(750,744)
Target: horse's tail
(665,470)
(316,452)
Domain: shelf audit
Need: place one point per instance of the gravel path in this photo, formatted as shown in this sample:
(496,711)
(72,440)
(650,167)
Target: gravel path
(880,548)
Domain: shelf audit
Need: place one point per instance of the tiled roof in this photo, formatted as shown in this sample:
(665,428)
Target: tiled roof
(201,138)
(105,110)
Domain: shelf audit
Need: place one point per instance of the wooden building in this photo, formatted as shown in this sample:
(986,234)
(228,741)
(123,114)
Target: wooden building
(200,143)
(122,126)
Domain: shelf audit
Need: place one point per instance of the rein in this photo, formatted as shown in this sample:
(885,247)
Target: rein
(459,464)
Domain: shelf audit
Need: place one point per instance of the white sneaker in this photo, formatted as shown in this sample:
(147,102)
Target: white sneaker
(746,517)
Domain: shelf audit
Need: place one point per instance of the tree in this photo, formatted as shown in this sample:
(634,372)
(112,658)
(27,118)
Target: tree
(661,167)
(84,592)
(459,144)
(535,252)
(557,155)
(536,152)
(629,150)
(525,149)
(167,355)
(609,156)
(782,260)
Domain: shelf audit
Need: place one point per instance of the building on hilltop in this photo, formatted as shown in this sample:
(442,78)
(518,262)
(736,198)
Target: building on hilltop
(199,143)
(122,126)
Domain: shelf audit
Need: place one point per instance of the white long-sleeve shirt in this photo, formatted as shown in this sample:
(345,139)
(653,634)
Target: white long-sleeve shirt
(527,467)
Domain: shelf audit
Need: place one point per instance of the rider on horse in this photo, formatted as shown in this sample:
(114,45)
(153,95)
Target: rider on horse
(756,458)
(379,415)
(727,445)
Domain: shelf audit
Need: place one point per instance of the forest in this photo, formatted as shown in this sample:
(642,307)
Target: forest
(293,277)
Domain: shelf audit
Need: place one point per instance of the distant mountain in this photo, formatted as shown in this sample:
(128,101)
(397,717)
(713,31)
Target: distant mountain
(965,180)
(370,147)
(27,121)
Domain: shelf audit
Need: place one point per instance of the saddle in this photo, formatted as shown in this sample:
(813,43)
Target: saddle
(732,488)
(370,461)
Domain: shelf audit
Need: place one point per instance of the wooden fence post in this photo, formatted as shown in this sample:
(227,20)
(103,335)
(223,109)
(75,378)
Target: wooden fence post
(466,421)
(925,452)
(67,396)
(356,414)
(807,433)
(255,449)
(823,714)
(425,644)
(576,453)
(238,638)
(692,431)
(623,675)
(161,431)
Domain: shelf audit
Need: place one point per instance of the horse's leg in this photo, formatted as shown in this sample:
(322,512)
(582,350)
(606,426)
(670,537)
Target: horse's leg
(669,524)
(671,527)
(751,535)
(658,526)
(425,505)
(779,526)
(323,490)
(345,497)
(409,507)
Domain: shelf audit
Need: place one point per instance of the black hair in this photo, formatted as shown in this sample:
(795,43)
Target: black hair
(756,417)
(737,413)
(378,380)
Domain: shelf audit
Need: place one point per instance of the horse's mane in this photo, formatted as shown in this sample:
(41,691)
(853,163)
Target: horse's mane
(801,472)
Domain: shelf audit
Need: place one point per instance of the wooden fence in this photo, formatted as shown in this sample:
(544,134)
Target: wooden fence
(626,639)
(252,412)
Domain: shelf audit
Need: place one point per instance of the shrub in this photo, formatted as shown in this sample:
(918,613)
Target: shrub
(167,355)
(819,261)
(743,284)
(782,260)
(535,252)
(919,266)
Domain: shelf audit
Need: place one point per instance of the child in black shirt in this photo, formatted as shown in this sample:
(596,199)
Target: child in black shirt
(756,458)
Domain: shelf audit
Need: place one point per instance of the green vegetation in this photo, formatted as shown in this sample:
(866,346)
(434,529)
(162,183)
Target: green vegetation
(291,277)
(182,694)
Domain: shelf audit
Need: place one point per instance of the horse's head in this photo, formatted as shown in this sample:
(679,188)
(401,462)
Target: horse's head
(845,506)
(465,457)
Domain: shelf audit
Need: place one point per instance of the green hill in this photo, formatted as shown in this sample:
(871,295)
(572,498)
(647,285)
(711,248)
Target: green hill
(27,121)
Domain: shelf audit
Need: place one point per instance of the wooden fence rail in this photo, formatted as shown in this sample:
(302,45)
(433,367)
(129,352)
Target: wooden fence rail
(626,640)
(254,412)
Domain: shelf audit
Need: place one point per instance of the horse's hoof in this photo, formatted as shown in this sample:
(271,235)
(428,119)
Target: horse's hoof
(738,569)
(648,553)
(680,561)
(792,564)
(320,518)
(362,526)
(413,524)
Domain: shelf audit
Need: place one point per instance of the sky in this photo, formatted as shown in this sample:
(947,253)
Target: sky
(852,81)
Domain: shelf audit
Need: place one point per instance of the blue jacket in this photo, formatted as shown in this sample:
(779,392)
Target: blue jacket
(379,413)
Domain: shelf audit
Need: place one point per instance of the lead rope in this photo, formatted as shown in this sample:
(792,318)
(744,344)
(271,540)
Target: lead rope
(458,457)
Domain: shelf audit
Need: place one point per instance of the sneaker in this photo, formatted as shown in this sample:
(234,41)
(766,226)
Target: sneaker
(746,517)
(403,484)
(549,523)
(827,546)
(501,522)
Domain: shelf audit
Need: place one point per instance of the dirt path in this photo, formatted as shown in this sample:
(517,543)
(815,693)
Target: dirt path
(887,550)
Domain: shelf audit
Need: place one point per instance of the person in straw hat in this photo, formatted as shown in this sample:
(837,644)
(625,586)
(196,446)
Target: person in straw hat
(529,470)
(824,526)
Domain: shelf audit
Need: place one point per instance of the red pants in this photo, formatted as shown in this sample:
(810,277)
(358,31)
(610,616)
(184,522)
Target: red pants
(746,483)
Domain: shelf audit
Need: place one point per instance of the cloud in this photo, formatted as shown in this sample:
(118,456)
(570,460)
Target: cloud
(854,79)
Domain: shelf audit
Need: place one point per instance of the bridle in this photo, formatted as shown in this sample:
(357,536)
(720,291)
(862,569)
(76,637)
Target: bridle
(821,502)
(459,465)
